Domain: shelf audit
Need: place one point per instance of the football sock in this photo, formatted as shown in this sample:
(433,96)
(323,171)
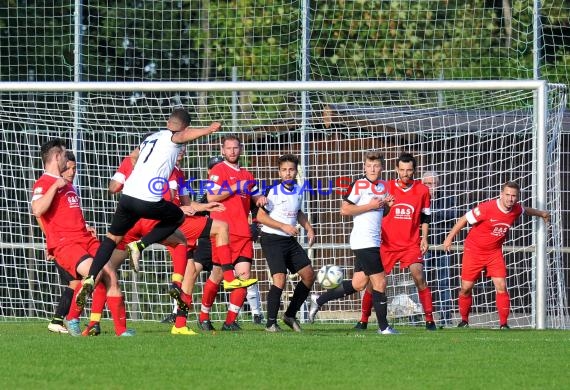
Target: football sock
(299,297)
(237,298)
(228,270)
(102,256)
(74,310)
(117,308)
(465,302)
(273,303)
(160,232)
(380,304)
(179,261)
(208,296)
(427,303)
(181,318)
(253,299)
(98,303)
(366,306)
(64,304)
(339,292)
(503,307)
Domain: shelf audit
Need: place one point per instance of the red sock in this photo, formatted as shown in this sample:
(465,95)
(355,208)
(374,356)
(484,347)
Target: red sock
(366,306)
(237,298)
(117,308)
(465,302)
(98,303)
(181,319)
(179,259)
(208,296)
(503,307)
(427,303)
(225,258)
(74,311)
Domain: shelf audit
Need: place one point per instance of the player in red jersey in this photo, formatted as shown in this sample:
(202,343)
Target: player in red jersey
(56,204)
(234,187)
(401,240)
(483,249)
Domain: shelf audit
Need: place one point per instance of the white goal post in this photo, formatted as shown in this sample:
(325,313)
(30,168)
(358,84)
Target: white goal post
(476,134)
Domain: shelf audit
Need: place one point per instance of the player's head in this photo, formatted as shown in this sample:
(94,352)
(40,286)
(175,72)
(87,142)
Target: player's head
(213,161)
(179,120)
(373,165)
(431,180)
(53,152)
(231,148)
(406,167)
(510,193)
(288,165)
(70,166)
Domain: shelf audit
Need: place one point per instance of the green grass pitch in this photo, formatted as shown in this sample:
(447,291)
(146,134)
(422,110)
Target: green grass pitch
(322,357)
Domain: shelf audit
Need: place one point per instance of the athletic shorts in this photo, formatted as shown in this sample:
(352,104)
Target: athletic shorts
(241,249)
(474,262)
(203,254)
(141,227)
(406,257)
(283,253)
(130,210)
(70,255)
(368,261)
(193,228)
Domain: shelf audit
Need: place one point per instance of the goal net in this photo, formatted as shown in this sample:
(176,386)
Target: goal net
(475,137)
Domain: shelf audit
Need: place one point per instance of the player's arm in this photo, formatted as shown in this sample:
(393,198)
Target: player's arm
(304,222)
(209,207)
(424,227)
(191,133)
(264,219)
(349,208)
(545,215)
(222,193)
(460,224)
(42,204)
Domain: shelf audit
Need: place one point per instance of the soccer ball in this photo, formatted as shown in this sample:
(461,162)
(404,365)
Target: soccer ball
(329,276)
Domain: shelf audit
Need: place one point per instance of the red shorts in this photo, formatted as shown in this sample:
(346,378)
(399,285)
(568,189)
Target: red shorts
(69,255)
(239,247)
(474,262)
(142,227)
(406,257)
(192,228)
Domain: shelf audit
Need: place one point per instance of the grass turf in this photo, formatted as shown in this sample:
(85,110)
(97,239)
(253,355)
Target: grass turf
(323,356)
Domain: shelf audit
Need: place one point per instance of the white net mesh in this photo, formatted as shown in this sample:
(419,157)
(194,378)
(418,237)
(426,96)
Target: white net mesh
(476,140)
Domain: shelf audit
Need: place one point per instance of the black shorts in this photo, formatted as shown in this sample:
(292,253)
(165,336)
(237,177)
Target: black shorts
(283,253)
(368,261)
(64,276)
(130,210)
(203,253)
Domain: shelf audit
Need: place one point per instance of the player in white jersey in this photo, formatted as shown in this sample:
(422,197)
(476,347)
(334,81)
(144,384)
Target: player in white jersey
(142,193)
(365,201)
(280,246)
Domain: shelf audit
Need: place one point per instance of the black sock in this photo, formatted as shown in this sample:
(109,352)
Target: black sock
(159,233)
(343,290)
(300,295)
(102,256)
(273,303)
(380,303)
(63,305)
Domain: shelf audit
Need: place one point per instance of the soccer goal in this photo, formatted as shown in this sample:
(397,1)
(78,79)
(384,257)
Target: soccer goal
(474,134)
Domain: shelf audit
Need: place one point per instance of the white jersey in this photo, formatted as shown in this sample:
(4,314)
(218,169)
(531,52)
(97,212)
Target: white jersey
(156,161)
(283,205)
(366,226)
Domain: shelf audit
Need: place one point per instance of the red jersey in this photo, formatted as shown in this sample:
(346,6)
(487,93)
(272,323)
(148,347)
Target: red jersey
(176,183)
(401,227)
(124,170)
(491,225)
(63,221)
(236,214)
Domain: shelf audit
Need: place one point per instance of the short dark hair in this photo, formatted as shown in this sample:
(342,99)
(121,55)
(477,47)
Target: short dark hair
(513,185)
(69,155)
(406,158)
(182,115)
(51,147)
(230,137)
(288,158)
(374,155)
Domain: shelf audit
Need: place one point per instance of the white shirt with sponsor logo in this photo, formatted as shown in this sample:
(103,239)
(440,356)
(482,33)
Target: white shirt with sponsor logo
(366,226)
(283,205)
(156,160)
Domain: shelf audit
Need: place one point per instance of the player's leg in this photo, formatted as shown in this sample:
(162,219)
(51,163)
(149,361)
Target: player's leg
(497,270)
(242,268)
(298,262)
(471,268)
(64,303)
(204,255)
(274,298)
(424,293)
(254,301)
